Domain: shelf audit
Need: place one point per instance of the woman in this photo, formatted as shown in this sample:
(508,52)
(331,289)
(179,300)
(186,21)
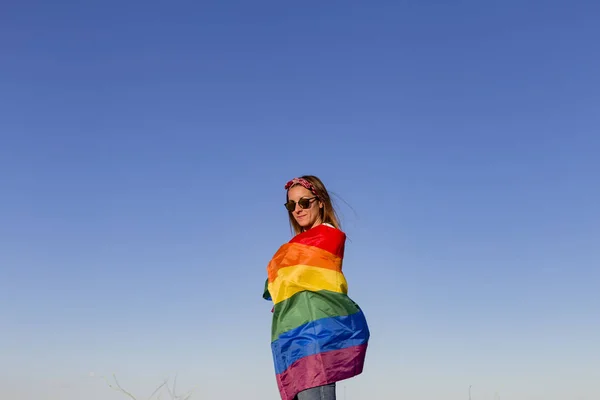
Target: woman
(319,335)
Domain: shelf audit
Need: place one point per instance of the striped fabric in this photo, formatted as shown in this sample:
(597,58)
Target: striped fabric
(319,335)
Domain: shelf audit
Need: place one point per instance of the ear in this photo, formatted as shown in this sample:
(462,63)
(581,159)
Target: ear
(320,204)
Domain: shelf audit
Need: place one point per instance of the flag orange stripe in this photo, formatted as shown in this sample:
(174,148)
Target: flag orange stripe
(291,254)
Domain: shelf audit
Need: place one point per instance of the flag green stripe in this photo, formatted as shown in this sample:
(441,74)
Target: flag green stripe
(307,306)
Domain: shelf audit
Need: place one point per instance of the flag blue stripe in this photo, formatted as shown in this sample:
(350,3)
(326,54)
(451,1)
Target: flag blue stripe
(318,336)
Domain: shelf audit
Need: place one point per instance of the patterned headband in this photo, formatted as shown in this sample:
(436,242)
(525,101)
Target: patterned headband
(303,182)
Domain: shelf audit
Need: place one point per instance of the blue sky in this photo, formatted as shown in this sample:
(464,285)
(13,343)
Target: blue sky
(144,147)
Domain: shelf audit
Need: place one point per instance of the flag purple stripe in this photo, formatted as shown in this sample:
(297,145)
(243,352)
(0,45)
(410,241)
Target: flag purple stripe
(321,369)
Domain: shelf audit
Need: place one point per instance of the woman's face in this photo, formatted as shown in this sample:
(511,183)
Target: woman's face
(306,217)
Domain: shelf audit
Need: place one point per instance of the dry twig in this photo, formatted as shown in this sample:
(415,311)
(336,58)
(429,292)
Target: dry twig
(172,393)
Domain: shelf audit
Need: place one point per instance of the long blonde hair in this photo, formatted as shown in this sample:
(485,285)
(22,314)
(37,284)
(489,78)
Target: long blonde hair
(327,214)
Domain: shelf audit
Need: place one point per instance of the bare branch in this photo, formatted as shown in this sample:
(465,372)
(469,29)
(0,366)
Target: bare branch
(123,390)
(157,392)
(157,389)
(175,384)
(118,388)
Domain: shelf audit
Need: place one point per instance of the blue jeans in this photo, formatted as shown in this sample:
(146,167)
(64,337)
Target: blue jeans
(325,392)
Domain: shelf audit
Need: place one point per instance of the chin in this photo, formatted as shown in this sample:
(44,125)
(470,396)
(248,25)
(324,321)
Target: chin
(303,224)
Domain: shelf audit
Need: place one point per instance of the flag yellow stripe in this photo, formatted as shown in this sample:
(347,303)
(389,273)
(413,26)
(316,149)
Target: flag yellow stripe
(297,278)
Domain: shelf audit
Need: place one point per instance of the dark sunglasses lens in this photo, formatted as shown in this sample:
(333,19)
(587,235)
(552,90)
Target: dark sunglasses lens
(304,203)
(290,205)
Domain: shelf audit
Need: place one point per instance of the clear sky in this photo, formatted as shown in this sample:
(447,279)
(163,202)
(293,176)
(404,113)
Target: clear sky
(145,145)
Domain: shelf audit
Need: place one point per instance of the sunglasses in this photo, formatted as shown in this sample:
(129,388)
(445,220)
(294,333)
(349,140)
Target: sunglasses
(303,203)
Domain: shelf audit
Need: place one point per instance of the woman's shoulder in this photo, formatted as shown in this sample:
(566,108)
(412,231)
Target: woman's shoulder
(331,227)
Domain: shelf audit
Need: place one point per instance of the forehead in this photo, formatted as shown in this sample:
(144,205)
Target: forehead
(297,192)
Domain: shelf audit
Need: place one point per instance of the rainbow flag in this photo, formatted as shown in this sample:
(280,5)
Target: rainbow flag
(319,335)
